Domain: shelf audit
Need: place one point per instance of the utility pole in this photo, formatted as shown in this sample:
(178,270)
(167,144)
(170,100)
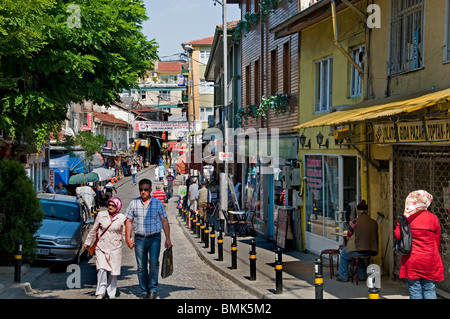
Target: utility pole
(224,176)
(190,49)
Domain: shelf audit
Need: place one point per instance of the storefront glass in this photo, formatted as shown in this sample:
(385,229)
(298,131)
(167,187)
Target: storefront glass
(331,183)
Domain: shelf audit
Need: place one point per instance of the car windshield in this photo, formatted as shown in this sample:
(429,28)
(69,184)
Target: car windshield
(60,210)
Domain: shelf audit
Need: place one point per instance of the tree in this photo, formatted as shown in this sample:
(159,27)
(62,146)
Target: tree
(89,142)
(57,61)
(20,212)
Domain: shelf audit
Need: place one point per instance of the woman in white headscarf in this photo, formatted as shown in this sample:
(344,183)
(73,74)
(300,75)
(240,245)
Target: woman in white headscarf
(109,248)
(423,267)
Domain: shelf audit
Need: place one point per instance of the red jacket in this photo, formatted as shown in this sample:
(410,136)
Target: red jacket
(424,260)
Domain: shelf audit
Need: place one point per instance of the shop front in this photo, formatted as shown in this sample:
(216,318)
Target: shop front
(332,184)
(265,189)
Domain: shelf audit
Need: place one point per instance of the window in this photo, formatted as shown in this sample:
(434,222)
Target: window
(447,32)
(204,56)
(356,78)
(143,95)
(247,85)
(406,51)
(273,72)
(257,83)
(164,95)
(286,69)
(332,183)
(206,87)
(323,84)
(205,112)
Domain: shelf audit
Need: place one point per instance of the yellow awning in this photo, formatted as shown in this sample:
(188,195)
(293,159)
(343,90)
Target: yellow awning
(372,110)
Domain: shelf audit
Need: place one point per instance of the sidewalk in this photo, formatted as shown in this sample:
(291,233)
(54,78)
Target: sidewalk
(298,270)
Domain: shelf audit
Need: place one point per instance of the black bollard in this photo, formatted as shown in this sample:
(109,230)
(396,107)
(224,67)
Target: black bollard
(200,227)
(318,278)
(233,252)
(278,271)
(194,222)
(18,261)
(212,237)
(252,254)
(206,234)
(220,245)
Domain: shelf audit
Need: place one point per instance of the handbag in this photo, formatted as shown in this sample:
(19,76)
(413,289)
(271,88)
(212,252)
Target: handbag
(167,263)
(91,250)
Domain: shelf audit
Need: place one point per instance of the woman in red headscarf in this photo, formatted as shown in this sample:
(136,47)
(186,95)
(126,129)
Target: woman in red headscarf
(423,266)
(110,225)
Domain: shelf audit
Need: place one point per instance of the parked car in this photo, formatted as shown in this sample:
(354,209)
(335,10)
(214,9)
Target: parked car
(66,223)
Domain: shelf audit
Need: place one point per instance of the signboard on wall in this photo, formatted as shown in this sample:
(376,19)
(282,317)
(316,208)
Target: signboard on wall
(433,131)
(161,126)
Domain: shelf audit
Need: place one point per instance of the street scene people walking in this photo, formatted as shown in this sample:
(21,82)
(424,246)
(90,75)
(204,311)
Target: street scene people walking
(146,217)
(109,228)
(423,267)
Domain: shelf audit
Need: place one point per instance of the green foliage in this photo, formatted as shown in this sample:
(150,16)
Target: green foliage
(46,63)
(89,142)
(20,212)
(278,102)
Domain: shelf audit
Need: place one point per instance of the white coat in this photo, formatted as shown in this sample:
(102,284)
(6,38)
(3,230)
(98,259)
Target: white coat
(109,248)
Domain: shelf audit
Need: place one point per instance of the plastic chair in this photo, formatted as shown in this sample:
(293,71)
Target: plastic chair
(330,253)
(231,224)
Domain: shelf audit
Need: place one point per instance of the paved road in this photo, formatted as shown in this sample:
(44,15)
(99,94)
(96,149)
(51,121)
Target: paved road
(192,278)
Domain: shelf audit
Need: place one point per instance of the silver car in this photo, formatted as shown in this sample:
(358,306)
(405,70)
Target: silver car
(66,223)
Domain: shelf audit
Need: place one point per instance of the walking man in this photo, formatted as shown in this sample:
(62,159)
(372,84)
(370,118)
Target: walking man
(146,217)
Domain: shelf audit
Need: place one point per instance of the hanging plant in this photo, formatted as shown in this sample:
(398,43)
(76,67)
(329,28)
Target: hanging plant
(244,113)
(250,19)
(278,102)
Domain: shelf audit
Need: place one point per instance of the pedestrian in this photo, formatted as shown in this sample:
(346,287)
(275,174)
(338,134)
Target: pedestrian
(204,198)
(174,167)
(423,266)
(109,188)
(170,178)
(134,173)
(47,187)
(162,172)
(159,194)
(192,194)
(362,241)
(146,217)
(60,189)
(108,251)
(156,173)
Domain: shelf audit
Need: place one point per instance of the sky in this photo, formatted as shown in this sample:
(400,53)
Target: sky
(172,22)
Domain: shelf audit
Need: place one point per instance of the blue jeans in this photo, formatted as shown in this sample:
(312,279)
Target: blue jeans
(344,263)
(147,254)
(134,178)
(421,288)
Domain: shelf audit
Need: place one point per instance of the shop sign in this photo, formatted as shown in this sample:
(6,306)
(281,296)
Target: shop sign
(226,156)
(433,131)
(314,175)
(161,126)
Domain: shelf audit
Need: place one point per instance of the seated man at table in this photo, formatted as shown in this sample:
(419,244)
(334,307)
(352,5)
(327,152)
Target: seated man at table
(362,241)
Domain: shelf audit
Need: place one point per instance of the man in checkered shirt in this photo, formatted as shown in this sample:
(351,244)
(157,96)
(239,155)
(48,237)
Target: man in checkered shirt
(146,217)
